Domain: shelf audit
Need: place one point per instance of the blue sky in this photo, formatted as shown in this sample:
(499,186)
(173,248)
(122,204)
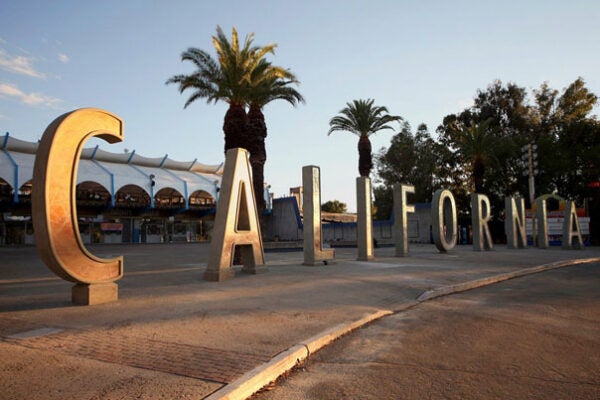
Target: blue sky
(420,59)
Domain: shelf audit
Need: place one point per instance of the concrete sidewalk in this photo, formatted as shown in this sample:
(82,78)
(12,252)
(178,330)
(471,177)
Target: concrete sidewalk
(174,335)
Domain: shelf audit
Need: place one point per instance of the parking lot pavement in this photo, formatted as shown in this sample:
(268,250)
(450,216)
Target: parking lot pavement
(172,334)
(536,337)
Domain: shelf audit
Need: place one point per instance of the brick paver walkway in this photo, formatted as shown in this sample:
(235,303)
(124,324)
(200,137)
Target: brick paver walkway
(181,359)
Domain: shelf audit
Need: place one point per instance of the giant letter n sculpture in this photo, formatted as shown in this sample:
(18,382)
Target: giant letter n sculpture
(516,234)
(54,210)
(236,222)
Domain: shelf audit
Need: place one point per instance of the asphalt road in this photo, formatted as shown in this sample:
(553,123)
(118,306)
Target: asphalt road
(536,337)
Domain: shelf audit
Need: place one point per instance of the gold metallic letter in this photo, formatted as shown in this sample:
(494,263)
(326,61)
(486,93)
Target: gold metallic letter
(401,210)
(314,253)
(516,235)
(236,222)
(53,199)
(541,216)
(571,228)
(364,226)
(481,213)
(443,217)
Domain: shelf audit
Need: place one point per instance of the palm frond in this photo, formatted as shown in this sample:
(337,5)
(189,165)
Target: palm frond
(361,118)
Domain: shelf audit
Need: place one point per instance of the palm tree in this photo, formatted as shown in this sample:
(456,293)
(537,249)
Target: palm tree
(363,119)
(475,144)
(242,77)
(268,83)
(225,79)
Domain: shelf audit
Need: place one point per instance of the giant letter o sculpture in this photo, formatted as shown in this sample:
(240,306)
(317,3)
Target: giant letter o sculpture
(54,210)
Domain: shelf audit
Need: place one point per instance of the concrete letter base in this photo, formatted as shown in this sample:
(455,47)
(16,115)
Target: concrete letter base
(249,266)
(325,257)
(95,293)
(218,275)
(259,269)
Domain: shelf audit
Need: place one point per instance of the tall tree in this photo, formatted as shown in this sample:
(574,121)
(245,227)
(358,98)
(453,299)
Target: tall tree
(411,159)
(334,206)
(567,140)
(363,119)
(506,114)
(267,84)
(242,77)
(225,79)
(576,142)
(475,145)
(576,102)
(558,123)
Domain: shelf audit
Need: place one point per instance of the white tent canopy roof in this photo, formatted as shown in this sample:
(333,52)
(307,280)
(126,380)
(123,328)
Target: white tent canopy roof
(115,170)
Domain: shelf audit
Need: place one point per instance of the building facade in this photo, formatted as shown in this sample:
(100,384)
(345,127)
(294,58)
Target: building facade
(120,197)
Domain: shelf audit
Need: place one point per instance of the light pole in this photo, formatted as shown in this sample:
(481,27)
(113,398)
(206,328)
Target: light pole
(530,158)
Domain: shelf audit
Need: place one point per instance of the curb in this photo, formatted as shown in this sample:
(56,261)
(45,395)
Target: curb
(254,380)
(461,287)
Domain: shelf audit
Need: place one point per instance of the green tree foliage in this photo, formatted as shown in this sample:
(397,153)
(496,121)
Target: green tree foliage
(334,206)
(242,77)
(484,142)
(363,119)
(479,148)
(224,79)
(576,103)
(268,84)
(383,202)
(476,148)
(410,159)
(570,159)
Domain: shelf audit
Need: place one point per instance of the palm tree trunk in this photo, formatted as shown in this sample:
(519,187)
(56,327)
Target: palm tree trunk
(234,126)
(257,132)
(478,173)
(365,159)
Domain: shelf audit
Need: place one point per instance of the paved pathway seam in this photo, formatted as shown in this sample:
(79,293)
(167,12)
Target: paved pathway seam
(261,376)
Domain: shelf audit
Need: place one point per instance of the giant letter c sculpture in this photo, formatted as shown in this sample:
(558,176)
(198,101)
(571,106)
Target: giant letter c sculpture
(54,210)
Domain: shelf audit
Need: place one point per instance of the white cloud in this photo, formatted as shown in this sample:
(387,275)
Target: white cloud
(32,99)
(63,58)
(19,65)
(3,116)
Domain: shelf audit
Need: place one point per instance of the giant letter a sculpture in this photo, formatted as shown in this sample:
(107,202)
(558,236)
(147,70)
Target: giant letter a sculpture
(236,222)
